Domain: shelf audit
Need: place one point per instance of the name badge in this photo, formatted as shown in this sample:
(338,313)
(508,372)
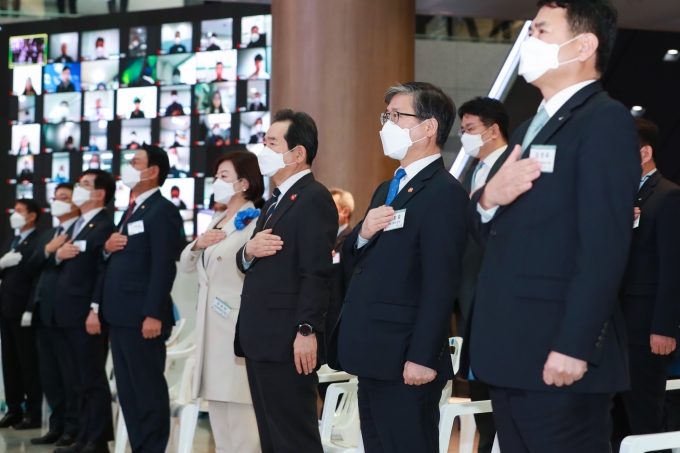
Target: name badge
(545,155)
(135,227)
(82,245)
(636,223)
(336,258)
(397,221)
(221,308)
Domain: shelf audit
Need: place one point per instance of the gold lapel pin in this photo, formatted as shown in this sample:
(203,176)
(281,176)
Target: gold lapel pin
(91,225)
(143,206)
(410,189)
(219,258)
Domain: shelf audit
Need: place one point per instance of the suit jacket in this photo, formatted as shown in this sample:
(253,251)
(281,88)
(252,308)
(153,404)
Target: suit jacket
(400,300)
(650,292)
(474,253)
(290,288)
(139,278)
(81,278)
(555,257)
(342,275)
(16,289)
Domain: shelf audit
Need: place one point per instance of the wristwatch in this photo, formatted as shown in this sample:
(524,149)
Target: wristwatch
(305,330)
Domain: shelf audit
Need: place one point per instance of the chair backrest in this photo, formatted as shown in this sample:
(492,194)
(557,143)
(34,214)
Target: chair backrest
(176,330)
(651,442)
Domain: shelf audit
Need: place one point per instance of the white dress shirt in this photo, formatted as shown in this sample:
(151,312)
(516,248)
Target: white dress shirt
(411,172)
(489,162)
(342,228)
(140,199)
(551,106)
(24,235)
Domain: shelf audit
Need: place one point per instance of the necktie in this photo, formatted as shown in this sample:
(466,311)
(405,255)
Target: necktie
(536,125)
(78,226)
(270,209)
(15,242)
(128,214)
(60,229)
(474,175)
(394,186)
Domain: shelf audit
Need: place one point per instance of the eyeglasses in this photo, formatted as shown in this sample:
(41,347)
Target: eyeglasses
(462,131)
(393,116)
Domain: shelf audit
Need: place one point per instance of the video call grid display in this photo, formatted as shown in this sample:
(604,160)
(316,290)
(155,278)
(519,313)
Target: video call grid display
(88,98)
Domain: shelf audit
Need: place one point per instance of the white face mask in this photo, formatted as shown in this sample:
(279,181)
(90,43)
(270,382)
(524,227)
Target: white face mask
(537,57)
(224,191)
(59,208)
(100,52)
(17,221)
(254,37)
(177,41)
(473,143)
(396,141)
(176,80)
(270,161)
(174,160)
(80,196)
(130,176)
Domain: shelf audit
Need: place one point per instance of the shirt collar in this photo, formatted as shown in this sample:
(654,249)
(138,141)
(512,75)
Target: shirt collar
(143,197)
(87,217)
(491,159)
(24,235)
(557,101)
(288,183)
(67,224)
(342,228)
(416,167)
(645,177)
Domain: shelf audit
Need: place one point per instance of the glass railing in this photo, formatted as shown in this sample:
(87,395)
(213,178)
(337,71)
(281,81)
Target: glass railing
(447,28)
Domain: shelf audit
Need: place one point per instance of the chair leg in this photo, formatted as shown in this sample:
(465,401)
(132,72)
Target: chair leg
(496,447)
(121,434)
(188,418)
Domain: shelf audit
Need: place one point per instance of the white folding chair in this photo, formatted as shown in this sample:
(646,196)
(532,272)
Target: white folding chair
(176,331)
(184,411)
(339,427)
(673,384)
(447,415)
(327,374)
(651,442)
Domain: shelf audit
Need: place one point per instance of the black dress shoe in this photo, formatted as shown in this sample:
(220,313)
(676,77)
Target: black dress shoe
(75,448)
(28,423)
(65,441)
(49,438)
(96,448)
(11,420)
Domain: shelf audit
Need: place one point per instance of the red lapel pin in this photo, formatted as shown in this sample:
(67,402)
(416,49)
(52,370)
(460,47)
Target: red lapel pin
(410,189)
(293,197)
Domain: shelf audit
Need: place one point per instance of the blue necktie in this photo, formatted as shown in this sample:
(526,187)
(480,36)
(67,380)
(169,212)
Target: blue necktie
(394,186)
(474,175)
(270,209)
(537,124)
(15,242)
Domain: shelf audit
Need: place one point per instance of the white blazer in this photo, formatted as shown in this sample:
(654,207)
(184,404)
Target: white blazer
(219,375)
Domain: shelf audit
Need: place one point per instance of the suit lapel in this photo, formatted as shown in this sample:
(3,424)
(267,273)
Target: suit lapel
(25,242)
(287,200)
(647,188)
(341,237)
(467,180)
(498,164)
(85,230)
(143,208)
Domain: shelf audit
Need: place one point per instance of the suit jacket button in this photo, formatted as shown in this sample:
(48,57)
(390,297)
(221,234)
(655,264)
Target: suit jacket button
(600,338)
(598,345)
(606,323)
(358,270)
(493,233)
(250,271)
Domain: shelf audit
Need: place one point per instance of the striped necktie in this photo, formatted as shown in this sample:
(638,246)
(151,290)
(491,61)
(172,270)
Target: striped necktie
(272,206)
(77,228)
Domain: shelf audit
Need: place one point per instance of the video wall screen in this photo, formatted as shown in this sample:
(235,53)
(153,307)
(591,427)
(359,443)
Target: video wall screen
(90,99)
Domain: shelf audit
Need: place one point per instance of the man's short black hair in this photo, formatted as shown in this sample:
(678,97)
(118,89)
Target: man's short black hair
(64,185)
(103,180)
(598,17)
(174,188)
(259,57)
(31,206)
(65,68)
(429,101)
(649,135)
(159,158)
(301,131)
(490,111)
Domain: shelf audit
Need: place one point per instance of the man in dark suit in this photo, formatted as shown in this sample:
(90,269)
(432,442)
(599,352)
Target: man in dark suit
(66,85)
(287,266)
(76,309)
(56,369)
(649,294)
(394,327)
(484,134)
(136,303)
(17,336)
(257,105)
(556,227)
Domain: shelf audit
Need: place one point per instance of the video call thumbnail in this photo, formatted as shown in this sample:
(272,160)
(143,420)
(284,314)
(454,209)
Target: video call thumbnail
(26,111)
(176,69)
(60,107)
(25,190)
(137,46)
(98,105)
(25,139)
(175,131)
(217,34)
(28,49)
(135,133)
(63,48)
(63,137)
(179,162)
(27,80)
(217,66)
(100,45)
(176,38)
(61,167)
(100,75)
(61,77)
(257,96)
(253,64)
(253,127)
(216,129)
(121,199)
(98,160)
(180,192)
(25,165)
(175,101)
(215,97)
(134,103)
(255,31)
(98,139)
(139,72)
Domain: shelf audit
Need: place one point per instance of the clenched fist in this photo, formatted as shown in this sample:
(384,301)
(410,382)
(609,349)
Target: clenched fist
(55,243)
(561,369)
(263,244)
(115,243)
(210,237)
(376,220)
(68,251)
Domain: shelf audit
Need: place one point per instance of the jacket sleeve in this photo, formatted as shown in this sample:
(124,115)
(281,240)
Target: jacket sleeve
(666,317)
(164,239)
(189,258)
(350,253)
(37,260)
(241,252)
(315,237)
(442,241)
(608,176)
(98,245)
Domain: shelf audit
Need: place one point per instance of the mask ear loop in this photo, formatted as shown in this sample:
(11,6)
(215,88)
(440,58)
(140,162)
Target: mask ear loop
(568,42)
(420,139)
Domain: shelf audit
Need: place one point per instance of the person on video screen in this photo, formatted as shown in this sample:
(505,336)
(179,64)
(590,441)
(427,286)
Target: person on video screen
(93,143)
(28,88)
(215,103)
(174,197)
(66,86)
(176,77)
(95,163)
(219,68)
(63,58)
(257,134)
(135,48)
(99,51)
(259,73)
(69,145)
(24,147)
(257,39)
(212,41)
(175,108)
(178,47)
(134,144)
(257,105)
(173,157)
(137,112)
(26,173)
(218,136)
(61,175)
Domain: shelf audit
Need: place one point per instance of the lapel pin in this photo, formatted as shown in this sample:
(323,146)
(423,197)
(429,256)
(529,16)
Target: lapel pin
(560,118)
(91,225)
(143,206)
(293,197)
(410,189)
(219,258)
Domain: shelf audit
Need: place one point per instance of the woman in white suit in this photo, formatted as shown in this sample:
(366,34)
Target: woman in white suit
(220,377)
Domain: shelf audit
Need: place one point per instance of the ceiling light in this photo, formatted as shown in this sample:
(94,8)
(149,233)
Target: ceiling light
(637,111)
(672,55)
